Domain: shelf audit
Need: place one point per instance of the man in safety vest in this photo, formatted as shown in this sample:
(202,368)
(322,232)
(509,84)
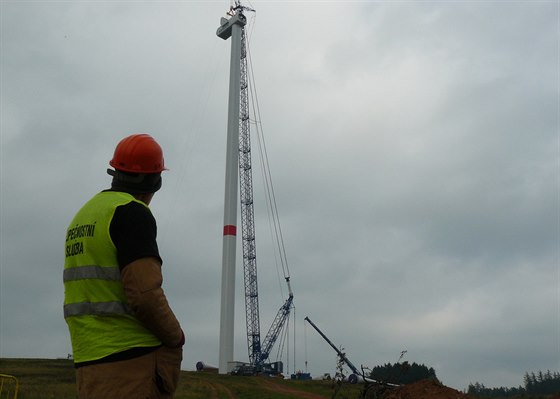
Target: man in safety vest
(126,341)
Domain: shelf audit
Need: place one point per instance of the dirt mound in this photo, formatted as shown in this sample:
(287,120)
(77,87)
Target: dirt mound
(425,389)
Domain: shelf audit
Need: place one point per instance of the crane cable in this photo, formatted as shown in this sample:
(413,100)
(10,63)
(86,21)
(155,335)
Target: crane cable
(270,195)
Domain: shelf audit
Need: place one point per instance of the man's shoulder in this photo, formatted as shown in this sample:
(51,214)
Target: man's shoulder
(134,210)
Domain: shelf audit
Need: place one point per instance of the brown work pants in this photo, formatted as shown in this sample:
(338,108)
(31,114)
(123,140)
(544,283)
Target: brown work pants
(151,376)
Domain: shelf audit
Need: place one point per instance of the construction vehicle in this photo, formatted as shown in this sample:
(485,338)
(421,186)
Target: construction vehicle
(372,388)
(352,378)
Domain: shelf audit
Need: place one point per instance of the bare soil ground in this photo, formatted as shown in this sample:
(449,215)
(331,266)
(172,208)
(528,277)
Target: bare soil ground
(425,389)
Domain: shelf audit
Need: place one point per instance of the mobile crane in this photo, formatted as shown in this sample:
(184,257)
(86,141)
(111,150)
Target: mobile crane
(371,388)
(353,378)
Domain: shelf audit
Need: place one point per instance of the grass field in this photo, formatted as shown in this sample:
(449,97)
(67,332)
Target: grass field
(55,378)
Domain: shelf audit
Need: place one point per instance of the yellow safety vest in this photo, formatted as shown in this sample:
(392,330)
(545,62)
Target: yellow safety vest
(95,305)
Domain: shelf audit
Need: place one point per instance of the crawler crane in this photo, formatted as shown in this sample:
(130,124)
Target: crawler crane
(239,148)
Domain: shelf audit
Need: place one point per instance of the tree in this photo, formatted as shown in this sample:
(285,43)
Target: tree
(402,373)
(536,384)
(480,390)
(543,383)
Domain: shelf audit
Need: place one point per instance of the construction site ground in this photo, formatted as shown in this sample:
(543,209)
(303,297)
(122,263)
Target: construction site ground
(55,378)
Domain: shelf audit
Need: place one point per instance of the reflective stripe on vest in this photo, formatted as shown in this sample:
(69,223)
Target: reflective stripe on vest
(92,272)
(96,309)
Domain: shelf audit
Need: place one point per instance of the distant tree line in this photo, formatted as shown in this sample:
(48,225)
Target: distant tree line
(542,383)
(535,384)
(478,389)
(402,373)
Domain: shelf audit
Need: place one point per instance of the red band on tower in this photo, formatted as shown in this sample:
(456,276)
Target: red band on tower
(230,230)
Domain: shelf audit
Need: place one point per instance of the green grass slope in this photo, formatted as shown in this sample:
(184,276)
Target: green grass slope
(55,378)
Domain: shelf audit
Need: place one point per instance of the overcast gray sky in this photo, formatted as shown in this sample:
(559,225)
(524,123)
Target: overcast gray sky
(413,145)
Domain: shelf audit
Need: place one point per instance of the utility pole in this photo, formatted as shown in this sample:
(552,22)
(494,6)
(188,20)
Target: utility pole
(230,28)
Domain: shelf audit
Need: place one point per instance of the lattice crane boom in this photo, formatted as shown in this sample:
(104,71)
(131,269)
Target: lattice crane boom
(248,215)
(277,325)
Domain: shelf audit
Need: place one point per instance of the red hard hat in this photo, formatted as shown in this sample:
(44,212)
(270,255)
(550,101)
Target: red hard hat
(138,153)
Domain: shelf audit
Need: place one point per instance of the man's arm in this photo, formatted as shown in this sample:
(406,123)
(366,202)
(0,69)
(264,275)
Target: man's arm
(142,282)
